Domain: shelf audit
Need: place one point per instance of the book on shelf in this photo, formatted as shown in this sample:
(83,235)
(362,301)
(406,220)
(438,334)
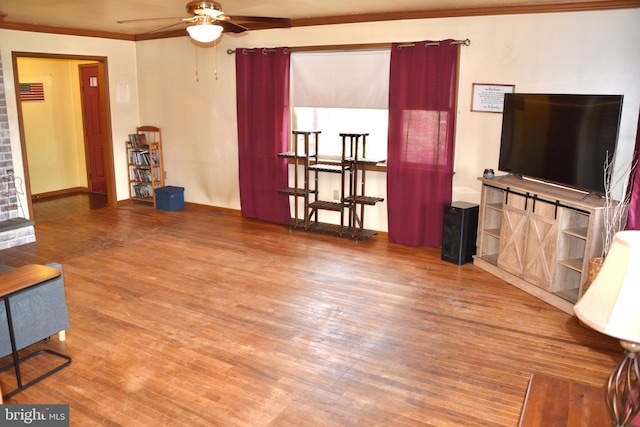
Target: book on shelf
(142,191)
(138,140)
(139,158)
(134,140)
(142,175)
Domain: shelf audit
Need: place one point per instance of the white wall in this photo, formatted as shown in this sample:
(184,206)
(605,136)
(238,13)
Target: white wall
(122,82)
(583,52)
(189,91)
(179,92)
(589,52)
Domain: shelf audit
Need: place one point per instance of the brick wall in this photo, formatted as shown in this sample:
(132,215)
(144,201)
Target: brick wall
(8,197)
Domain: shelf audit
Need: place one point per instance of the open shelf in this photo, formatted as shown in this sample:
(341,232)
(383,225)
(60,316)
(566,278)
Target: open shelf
(145,164)
(580,233)
(489,223)
(570,295)
(574,264)
(335,230)
(351,199)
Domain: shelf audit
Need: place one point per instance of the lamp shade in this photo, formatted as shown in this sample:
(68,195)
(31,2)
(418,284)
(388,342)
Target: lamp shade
(611,305)
(204,33)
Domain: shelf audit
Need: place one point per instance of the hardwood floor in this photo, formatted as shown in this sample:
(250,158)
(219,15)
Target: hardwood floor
(199,318)
(46,209)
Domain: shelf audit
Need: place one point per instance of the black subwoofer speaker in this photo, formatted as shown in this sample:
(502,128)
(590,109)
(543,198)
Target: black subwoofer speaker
(459,232)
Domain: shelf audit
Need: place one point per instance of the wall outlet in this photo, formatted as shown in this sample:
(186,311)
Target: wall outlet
(336,194)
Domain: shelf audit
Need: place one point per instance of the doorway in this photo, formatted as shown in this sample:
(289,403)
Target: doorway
(93,161)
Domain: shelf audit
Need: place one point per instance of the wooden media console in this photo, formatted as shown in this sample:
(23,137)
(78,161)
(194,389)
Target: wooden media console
(539,237)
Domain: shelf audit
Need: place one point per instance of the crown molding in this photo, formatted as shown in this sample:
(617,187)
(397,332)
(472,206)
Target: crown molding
(472,11)
(351,19)
(64,31)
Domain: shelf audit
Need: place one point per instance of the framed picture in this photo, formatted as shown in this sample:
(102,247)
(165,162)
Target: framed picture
(489,98)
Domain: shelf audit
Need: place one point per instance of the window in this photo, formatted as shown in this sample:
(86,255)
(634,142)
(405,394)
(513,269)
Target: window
(334,121)
(342,92)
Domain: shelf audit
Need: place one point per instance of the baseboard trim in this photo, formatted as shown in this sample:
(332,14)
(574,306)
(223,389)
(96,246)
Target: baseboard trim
(59,193)
(223,211)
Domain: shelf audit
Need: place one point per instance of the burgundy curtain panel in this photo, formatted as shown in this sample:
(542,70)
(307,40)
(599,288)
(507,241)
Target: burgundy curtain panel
(633,217)
(422,107)
(262,89)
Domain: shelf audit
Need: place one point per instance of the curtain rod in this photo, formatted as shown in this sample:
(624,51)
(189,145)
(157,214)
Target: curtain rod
(346,47)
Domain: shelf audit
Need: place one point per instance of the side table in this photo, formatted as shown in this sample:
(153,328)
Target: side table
(560,402)
(12,283)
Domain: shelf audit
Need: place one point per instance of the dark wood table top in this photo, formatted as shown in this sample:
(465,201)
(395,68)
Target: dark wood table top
(553,401)
(23,277)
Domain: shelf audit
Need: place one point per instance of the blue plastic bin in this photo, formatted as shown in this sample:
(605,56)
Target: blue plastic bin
(169,198)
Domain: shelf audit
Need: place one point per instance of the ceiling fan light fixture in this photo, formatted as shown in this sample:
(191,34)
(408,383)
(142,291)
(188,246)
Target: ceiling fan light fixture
(204,32)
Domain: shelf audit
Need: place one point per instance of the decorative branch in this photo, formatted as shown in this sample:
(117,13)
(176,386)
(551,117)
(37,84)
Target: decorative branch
(615,211)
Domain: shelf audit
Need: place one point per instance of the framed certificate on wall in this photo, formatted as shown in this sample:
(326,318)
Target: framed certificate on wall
(489,98)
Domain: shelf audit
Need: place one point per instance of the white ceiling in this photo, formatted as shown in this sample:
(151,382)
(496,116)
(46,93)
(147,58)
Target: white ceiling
(102,15)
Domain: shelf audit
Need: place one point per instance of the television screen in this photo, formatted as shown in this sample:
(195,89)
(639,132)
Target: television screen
(565,139)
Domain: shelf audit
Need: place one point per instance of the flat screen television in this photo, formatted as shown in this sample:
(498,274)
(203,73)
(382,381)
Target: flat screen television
(564,139)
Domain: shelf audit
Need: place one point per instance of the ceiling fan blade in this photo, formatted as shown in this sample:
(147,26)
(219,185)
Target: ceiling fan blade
(231,27)
(130,21)
(166,27)
(209,12)
(265,19)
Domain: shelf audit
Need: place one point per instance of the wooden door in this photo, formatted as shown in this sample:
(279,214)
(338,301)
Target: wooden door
(542,241)
(513,234)
(93,128)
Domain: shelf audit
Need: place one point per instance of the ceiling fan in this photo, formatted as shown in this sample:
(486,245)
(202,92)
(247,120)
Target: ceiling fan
(209,21)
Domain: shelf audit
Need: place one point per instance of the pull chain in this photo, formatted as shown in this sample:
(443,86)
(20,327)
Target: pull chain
(197,77)
(215,61)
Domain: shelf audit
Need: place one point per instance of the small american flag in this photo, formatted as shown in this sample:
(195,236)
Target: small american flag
(31,92)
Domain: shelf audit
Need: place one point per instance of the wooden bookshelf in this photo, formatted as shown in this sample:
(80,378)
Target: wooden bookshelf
(145,165)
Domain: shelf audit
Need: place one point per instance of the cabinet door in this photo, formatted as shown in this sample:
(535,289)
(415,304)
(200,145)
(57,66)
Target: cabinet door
(542,238)
(513,234)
